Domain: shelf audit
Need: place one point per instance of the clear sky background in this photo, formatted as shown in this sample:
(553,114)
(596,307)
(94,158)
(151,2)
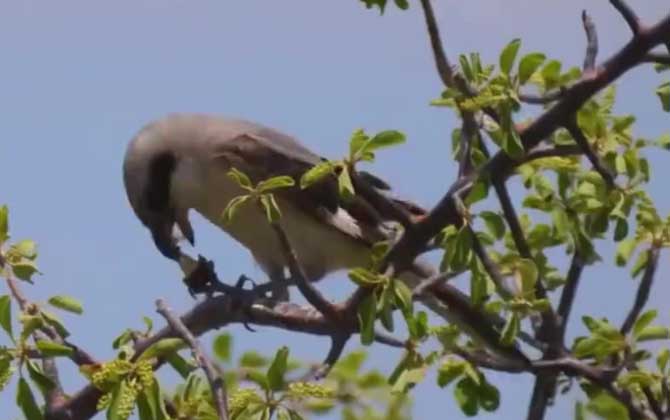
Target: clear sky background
(79,78)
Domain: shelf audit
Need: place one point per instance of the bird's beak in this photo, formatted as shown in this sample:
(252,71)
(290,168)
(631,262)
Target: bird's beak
(161,231)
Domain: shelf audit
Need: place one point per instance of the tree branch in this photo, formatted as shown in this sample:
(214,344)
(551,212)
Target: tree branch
(583,143)
(591,42)
(441,62)
(628,14)
(657,58)
(642,291)
(311,293)
(216,382)
(545,99)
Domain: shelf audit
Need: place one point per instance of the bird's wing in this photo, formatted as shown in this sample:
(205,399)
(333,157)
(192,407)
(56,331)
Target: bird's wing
(262,153)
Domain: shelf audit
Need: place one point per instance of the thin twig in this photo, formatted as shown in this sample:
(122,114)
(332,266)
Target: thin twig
(216,382)
(657,58)
(591,155)
(441,62)
(311,293)
(569,292)
(545,99)
(591,42)
(628,14)
(643,290)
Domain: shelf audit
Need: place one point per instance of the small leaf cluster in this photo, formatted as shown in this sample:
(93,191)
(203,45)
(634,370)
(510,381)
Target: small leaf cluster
(362,148)
(499,91)
(261,194)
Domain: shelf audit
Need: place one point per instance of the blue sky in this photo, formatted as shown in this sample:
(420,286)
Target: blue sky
(79,78)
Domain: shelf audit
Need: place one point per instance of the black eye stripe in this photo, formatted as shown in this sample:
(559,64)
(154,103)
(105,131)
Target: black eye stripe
(157,190)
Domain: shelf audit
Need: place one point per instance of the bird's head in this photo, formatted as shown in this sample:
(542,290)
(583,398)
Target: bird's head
(148,172)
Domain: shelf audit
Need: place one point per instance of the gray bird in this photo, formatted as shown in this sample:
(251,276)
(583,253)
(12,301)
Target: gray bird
(181,162)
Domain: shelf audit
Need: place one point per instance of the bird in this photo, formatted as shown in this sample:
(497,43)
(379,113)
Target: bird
(181,163)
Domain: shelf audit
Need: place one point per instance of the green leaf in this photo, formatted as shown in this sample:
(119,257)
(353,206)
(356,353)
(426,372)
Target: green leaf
(276,371)
(241,178)
(449,371)
(479,191)
(6,315)
(367,312)
(25,269)
(512,144)
(653,332)
(462,249)
(663,93)
(379,3)
(607,407)
(384,139)
(55,322)
(162,348)
(4,224)
(408,379)
(528,273)
(385,307)
(52,349)
(620,230)
(356,144)
(148,322)
(43,382)
(125,337)
(25,248)
(640,263)
(625,250)
(403,296)
(402,4)
(222,346)
(510,330)
(345,186)
(275,183)
(231,208)
(271,208)
(366,278)
(494,223)
(508,55)
(252,359)
(662,359)
(180,365)
(66,303)
(551,73)
(465,393)
(529,64)
(643,321)
(489,397)
(26,401)
(316,174)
